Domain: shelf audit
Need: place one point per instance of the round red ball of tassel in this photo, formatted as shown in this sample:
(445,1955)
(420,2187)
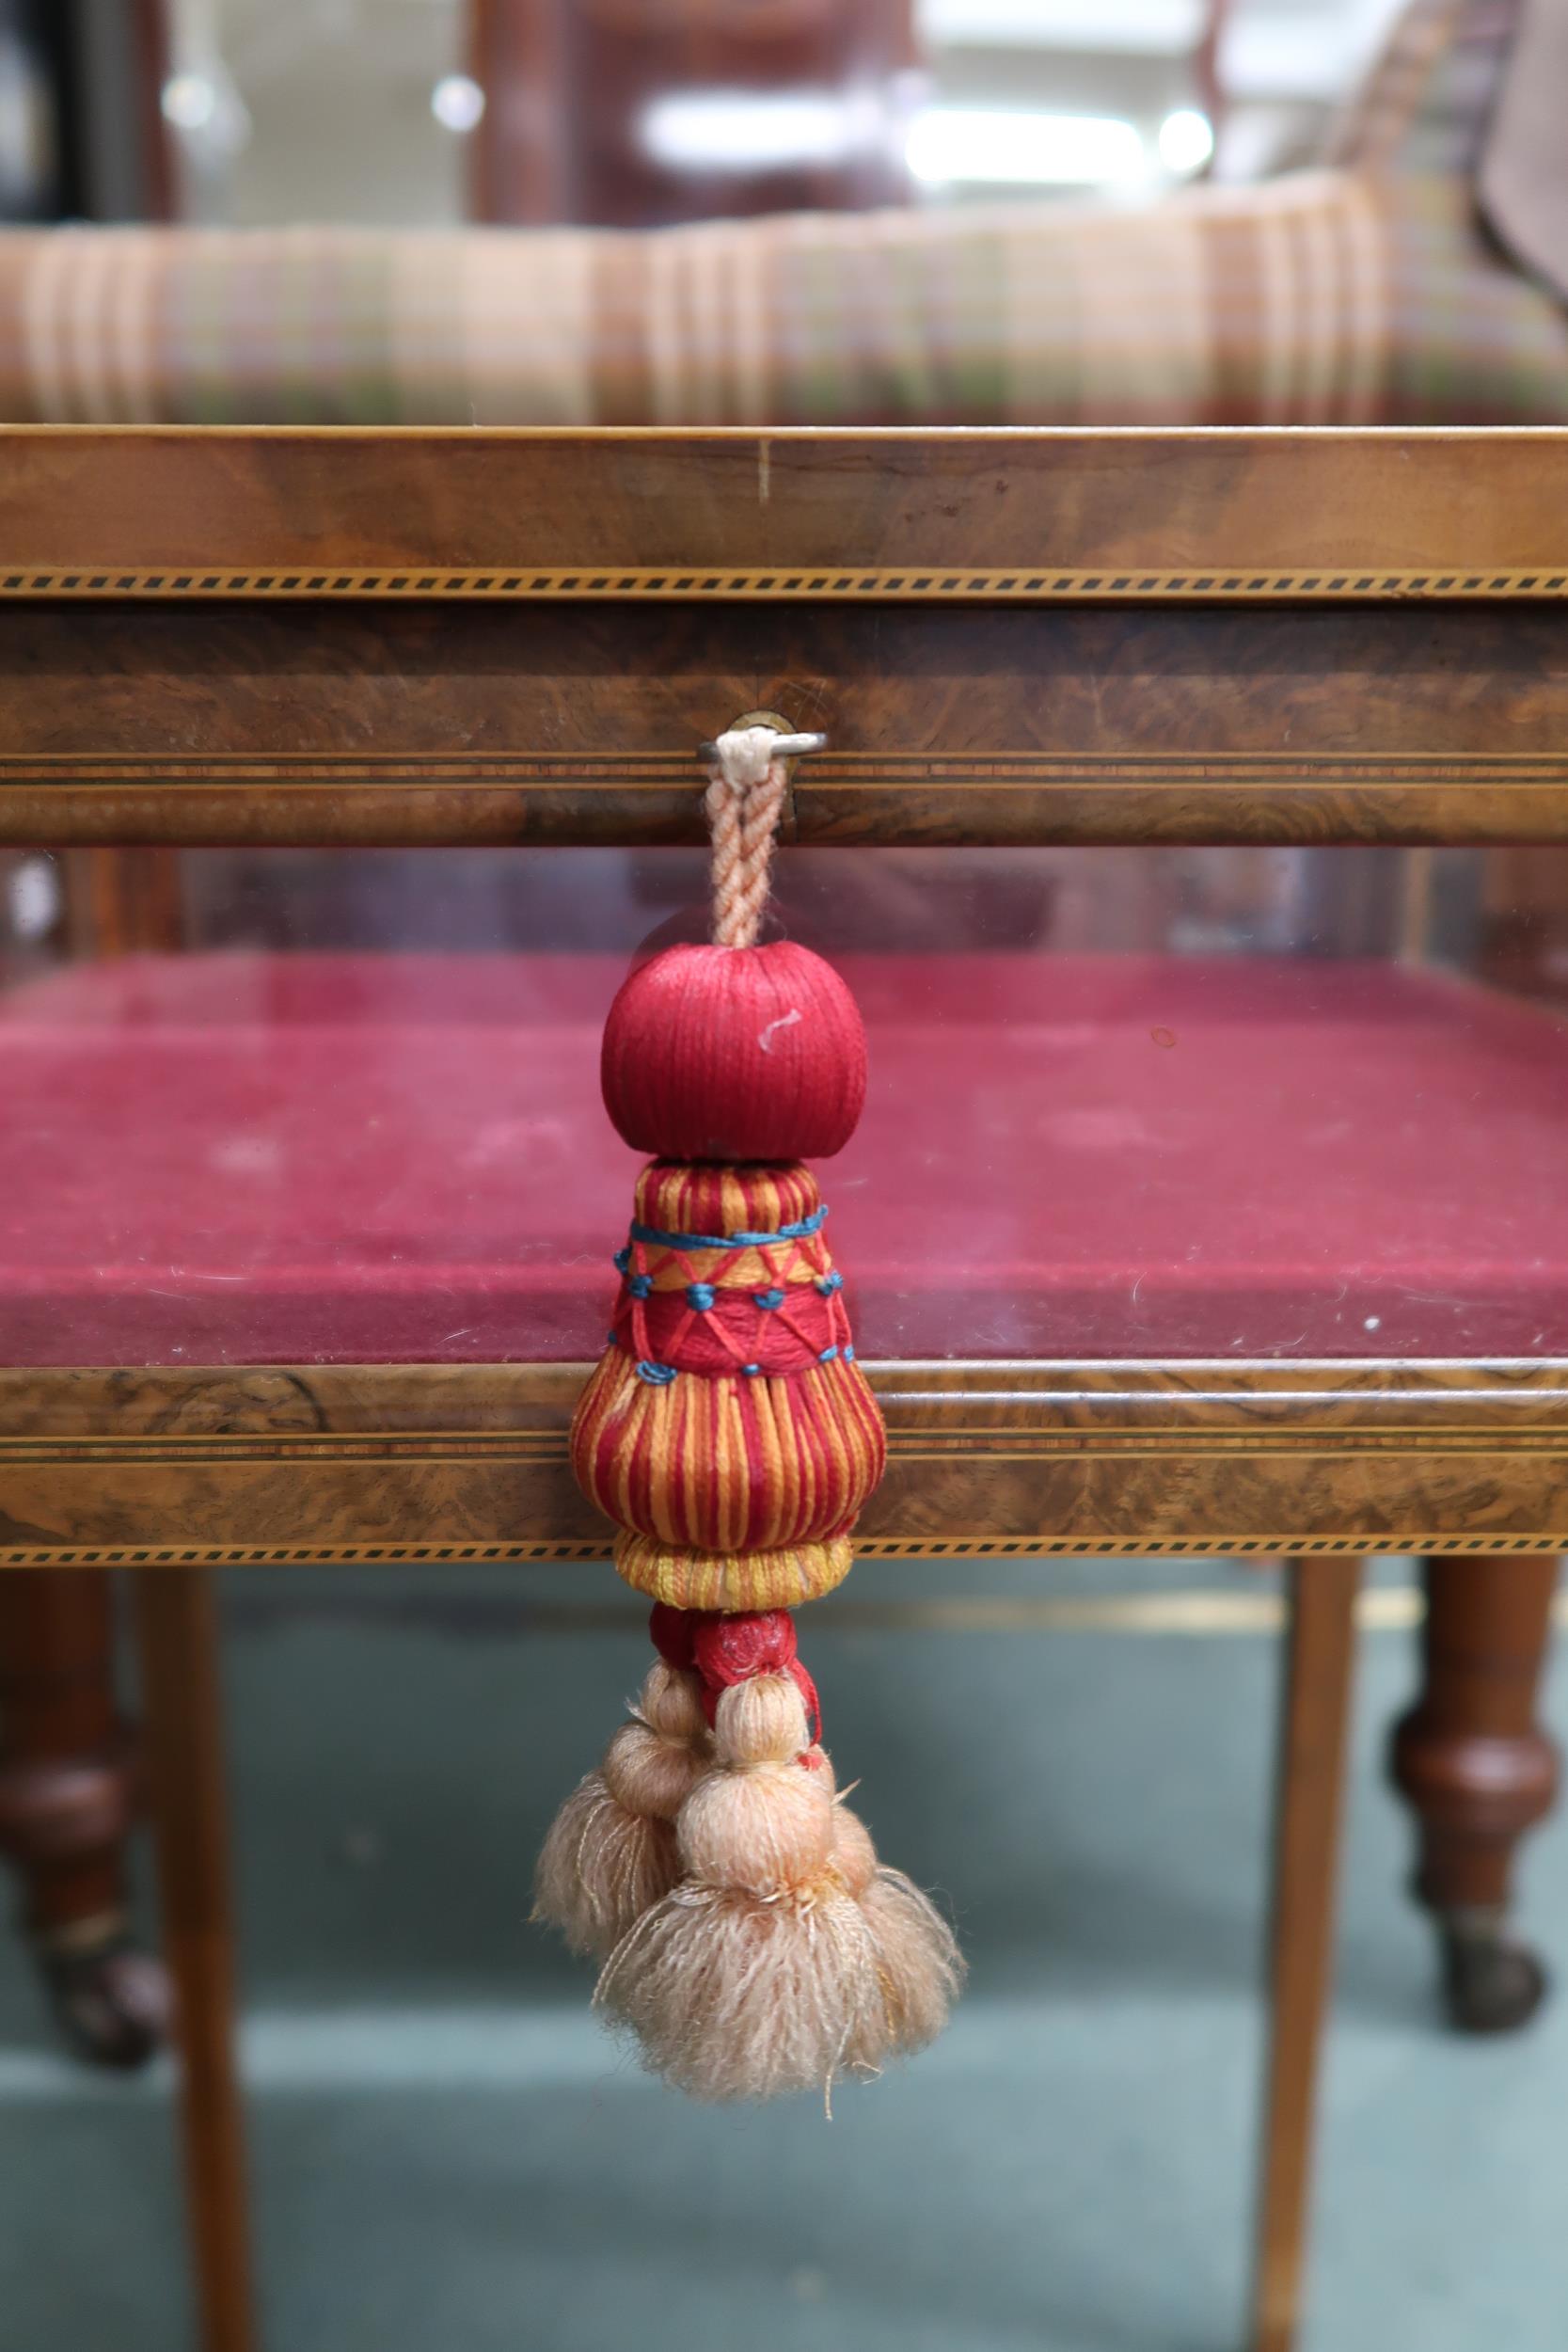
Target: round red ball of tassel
(734,1053)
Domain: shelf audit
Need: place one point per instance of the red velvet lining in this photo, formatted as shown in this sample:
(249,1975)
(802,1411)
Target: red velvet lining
(248,1158)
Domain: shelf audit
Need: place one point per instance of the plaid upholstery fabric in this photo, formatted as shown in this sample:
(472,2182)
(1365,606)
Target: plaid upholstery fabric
(1364,293)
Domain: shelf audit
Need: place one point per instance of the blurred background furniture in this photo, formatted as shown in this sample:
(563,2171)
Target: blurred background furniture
(636,115)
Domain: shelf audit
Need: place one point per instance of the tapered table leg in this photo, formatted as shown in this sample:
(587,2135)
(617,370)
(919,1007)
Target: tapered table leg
(1320,1656)
(182,1735)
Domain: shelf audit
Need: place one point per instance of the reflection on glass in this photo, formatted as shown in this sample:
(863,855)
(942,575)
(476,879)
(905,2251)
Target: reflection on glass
(300,1106)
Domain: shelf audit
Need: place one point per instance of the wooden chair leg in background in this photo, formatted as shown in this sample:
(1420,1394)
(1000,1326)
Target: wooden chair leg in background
(1320,1658)
(177,1630)
(1478,1772)
(68,1800)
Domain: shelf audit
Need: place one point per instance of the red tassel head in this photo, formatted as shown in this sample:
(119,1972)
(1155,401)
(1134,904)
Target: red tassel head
(728,1415)
(734,1053)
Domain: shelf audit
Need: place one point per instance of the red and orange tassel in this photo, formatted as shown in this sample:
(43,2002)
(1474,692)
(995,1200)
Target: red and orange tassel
(749,1936)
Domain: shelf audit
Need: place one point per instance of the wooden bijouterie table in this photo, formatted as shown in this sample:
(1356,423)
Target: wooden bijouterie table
(302,1255)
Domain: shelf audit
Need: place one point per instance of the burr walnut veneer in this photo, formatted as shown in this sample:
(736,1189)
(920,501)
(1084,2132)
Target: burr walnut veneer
(418,639)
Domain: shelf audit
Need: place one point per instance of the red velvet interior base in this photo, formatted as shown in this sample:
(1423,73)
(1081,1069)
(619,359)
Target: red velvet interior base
(247,1159)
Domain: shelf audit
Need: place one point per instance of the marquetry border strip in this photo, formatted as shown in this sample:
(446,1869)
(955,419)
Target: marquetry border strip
(1380,1543)
(972,1443)
(868,772)
(856,584)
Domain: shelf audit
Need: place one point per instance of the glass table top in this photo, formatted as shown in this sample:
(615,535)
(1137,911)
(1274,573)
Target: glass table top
(249,1154)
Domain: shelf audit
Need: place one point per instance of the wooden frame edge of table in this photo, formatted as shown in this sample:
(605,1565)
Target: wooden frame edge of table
(204,1466)
(777,513)
(142,552)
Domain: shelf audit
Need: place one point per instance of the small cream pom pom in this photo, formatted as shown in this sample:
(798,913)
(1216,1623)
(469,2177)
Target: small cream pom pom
(764,1830)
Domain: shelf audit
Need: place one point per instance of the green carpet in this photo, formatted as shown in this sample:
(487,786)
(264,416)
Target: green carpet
(449,2153)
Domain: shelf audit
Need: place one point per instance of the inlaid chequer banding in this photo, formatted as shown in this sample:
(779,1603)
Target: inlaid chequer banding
(855,584)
